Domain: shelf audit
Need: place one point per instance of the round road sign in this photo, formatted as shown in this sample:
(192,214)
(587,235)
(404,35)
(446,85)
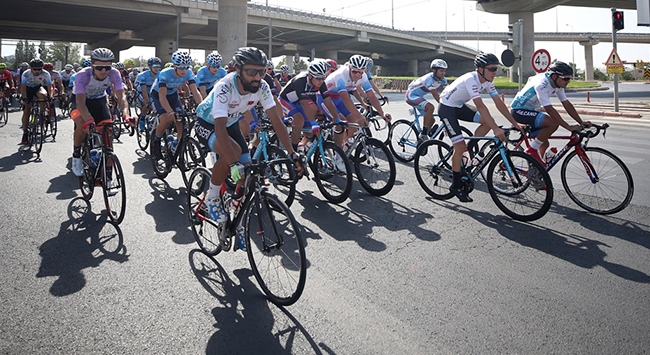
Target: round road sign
(541,60)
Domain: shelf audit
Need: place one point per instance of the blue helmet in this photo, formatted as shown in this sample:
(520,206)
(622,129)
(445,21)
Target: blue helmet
(154,60)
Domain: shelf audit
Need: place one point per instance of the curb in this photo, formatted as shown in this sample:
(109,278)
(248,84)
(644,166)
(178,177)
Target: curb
(605,113)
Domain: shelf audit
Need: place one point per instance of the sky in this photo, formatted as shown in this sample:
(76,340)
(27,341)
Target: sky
(460,15)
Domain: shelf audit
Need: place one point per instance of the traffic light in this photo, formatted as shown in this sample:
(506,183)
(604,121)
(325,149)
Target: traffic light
(514,31)
(312,53)
(510,39)
(173,46)
(617,20)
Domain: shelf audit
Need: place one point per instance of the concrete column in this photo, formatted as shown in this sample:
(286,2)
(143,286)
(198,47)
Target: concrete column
(413,67)
(232,26)
(589,59)
(331,54)
(529,45)
(162,49)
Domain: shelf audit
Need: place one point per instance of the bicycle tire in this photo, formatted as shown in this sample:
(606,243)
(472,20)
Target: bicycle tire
(206,231)
(4,116)
(334,184)
(37,136)
(115,203)
(610,194)
(282,176)
(117,126)
(87,179)
(142,135)
(433,169)
(530,196)
(403,140)
(161,167)
(190,158)
(375,167)
(275,249)
(54,127)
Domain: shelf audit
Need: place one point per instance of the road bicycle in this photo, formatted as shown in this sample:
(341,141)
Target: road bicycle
(101,167)
(274,244)
(4,108)
(36,126)
(403,137)
(594,178)
(377,127)
(518,183)
(117,116)
(149,121)
(183,152)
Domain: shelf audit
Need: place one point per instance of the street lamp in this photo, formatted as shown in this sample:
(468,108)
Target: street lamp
(573,58)
(178,22)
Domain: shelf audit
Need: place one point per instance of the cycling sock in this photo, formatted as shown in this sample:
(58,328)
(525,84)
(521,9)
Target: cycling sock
(76,152)
(214,191)
(295,147)
(536,144)
(425,130)
(456,183)
(156,137)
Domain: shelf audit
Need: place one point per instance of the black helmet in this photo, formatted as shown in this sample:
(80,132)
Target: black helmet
(484,59)
(249,55)
(35,63)
(560,68)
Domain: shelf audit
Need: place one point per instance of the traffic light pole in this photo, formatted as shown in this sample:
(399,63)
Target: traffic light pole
(615,75)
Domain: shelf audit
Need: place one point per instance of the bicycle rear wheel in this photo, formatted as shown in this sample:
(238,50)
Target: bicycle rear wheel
(162,166)
(403,140)
(4,115)
(433,169)
(333,183)
(190,158)
(142,135)
(206,231)
(37,136)
(275,249)
(87,179)
(375,167)
(612,189)
(54,127)
(526,196)
(115,195)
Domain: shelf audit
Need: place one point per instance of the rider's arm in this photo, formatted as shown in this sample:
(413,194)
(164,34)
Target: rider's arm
(280,129)
(501,106)
(81,107)
(375,88)
(377,105)
(487,118)
(123,103)
(195,92)
(571,110)
(145,93)
(435,94)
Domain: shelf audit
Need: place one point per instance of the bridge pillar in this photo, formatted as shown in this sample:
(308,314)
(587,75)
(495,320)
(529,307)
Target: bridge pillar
(529,46)
(232,27)
(413,67)
(589,58)
(162,49)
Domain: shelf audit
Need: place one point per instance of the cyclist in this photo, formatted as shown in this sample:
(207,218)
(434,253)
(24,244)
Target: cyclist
(164,93)
(208,75)
(143,83)
(537,94)
(6,82)
(217,128)
(283,76)
(65,76)
(34,83)
(56,84)
(331,66)
(369,66)
(91,104)
(418,88)
(452,108)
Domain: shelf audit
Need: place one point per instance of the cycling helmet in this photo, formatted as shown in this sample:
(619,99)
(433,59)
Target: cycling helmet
(35,63)
(331,63)
(119,65)
(24,64)
(370,63)
(214,60)
(560,68)
(85,63)
(68,67)
(249,55)
(136,70)
(269,64)
(484,59)
(168,64)
(102,55)
(48,66)
(284,68)
(181,58)
(318,68)
(438,64)
(196,67)
(154,60)
(3,66)
(358,62)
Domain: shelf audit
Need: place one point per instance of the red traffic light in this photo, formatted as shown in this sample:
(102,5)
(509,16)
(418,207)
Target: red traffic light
(617,20)
(618,15)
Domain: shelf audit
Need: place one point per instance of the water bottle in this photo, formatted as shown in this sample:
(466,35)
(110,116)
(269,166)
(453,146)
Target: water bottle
(171,143)
(348,144)
(241,238)
(433,130)
(95,156)
(550,155)
(466,158)
(478,158)
(237,196)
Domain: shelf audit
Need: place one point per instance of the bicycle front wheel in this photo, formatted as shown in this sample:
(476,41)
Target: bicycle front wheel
(190,158)
(275,249)
(433,169)
(37,136)
(206,231)
(282,176)
(527,194)
(162,166)
(332,172)
(403,140)
(53,127)
(114,189)
(142,135)
(87,179)
(375,167)
(4,115)
(612,186)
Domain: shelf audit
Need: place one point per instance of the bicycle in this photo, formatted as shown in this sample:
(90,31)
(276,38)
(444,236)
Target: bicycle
(378,128)
(116,114)
(101,167)
(275,249)
(594,178)
(36,125)
(403,137)
(150,122)
(4,108)
(183,152)
(518,183)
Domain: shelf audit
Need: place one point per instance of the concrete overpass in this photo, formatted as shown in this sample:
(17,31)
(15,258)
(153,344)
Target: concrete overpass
(121,24)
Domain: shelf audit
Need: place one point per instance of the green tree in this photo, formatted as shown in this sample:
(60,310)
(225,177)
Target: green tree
(43,52)
(20,53)
(599,75)
(132,62)
(57,51)
(31,51)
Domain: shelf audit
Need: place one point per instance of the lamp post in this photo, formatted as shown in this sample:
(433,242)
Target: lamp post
(178,22)
(573,58)
(270,31)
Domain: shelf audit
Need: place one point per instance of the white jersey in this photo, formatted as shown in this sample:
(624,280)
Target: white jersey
(340,81)
(467,87)
(225,100)
(536,93)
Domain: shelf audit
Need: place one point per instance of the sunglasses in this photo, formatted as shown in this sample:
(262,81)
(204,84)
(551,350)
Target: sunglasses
(492,69)
(253,72)
(318,77)
(565,78)
(102,67)
(37,69)
(357,71)
(182,67)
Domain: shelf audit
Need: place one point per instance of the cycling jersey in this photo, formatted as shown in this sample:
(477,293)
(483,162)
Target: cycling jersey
(423,85)
(225,100)
(167,78)
(269,80)
(340,81)
(65,76)
(283,79)
(55,75)
(30,80)
(298,88)
(6,76)
(536,93)
(86,83)
(205,78)
(467,87)
(145,78)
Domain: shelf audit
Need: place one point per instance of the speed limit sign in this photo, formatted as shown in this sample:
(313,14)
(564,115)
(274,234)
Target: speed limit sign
(541,60)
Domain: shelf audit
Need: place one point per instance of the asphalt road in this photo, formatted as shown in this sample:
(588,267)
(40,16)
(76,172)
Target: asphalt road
(401,274)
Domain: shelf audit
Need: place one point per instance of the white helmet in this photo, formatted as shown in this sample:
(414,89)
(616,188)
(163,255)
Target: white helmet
(358,62)
(318,68)
(438,64)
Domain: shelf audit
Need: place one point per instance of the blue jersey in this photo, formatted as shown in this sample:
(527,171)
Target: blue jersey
(204,78)
(166,78)
(145,78)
